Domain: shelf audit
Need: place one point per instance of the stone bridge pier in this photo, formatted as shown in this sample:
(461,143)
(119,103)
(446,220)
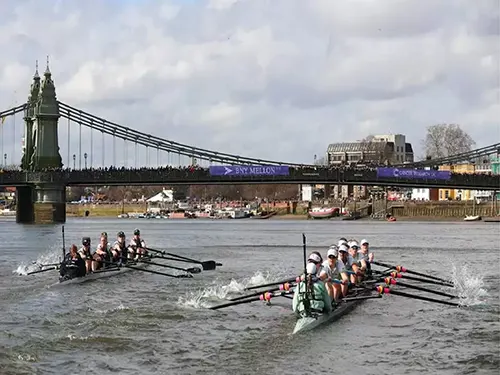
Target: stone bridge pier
(43,203)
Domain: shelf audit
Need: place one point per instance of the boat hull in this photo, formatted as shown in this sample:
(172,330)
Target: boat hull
(102,274)
(308,323)
(473,218)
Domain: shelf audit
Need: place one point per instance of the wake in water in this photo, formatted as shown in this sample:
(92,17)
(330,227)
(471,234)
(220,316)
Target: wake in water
(206,297)
(51,256)
(469,285)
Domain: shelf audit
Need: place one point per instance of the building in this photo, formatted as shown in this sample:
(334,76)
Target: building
(379,149)
(403,151)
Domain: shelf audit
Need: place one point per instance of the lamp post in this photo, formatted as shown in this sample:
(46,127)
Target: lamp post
(85,157)
(74,161)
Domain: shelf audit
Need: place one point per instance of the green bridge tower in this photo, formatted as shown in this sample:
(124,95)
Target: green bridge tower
(41,201)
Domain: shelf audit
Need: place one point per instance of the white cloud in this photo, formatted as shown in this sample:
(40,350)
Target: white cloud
(276,79)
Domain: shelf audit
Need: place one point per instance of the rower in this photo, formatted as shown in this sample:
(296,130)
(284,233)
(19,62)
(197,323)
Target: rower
(119,248)
(73,265)
(85,253)
(343,257)
(101,255)
(347,262)
(365,258)
(356,264)
(313,290)
(137,245)
(330,271)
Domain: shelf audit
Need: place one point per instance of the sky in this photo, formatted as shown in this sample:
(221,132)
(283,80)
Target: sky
(272,79)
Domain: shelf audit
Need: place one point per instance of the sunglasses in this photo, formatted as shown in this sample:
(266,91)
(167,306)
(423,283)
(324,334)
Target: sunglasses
(332,257)
(355,247)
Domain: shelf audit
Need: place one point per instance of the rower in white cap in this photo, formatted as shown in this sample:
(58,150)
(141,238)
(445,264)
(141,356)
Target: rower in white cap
(313,290)
(330,274)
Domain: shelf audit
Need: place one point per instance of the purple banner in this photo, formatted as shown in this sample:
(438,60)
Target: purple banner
(249,170)
(416,174)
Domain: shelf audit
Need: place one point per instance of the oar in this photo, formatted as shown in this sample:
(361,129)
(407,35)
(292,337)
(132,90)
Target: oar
(150,271)
(282,287)
(403,269)
(262,297)
(397,275)
(391,281)
(360,298)
(44,270)
(207,265)
(289,280)
(46,265)
(385,290)
(189,270)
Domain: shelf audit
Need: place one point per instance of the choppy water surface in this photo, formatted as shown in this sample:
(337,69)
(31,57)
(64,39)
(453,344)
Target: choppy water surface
(141,323)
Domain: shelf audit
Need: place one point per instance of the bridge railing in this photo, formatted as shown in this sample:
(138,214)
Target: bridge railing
(197,175)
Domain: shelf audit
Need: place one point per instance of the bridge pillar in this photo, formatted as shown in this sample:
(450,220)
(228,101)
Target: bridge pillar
(24,205)
(50,204)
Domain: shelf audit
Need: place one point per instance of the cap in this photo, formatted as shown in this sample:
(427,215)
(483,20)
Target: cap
(120,234)
(311,268)
(86,241)
(136,232)
(364,242)
(104,234)
(343,239)
(314,258)
(333,251)
(343,248)
(342,242)
(354,244)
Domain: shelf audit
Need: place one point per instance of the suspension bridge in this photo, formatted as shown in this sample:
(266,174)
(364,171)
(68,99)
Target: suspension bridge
(95,151)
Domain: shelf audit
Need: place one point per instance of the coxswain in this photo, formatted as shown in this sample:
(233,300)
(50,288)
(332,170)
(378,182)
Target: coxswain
(312,290)
(101,255)
(119,249)
(365,258)
(331,271)
(137,245)
(85,253)
(73,265)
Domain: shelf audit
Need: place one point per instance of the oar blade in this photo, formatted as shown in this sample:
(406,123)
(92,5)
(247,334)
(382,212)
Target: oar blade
(209,265)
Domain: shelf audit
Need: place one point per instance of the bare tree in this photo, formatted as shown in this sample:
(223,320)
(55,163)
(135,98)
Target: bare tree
(443,140)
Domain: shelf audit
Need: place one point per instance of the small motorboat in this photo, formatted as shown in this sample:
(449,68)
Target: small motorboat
(473,218)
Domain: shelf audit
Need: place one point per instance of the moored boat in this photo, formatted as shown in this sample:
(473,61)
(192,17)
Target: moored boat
(473,218)
(323,213)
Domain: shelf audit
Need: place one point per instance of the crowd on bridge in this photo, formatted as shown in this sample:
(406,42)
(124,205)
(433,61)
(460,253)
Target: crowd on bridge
(362,175)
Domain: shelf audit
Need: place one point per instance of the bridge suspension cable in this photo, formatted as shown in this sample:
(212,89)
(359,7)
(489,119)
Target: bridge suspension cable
(153,141)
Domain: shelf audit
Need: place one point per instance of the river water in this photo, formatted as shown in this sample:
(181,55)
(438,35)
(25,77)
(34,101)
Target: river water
(142,323)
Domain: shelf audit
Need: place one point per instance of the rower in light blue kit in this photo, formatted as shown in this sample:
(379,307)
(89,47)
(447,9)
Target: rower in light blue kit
(319,300)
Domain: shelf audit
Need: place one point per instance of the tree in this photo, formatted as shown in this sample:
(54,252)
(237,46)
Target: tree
(444,140)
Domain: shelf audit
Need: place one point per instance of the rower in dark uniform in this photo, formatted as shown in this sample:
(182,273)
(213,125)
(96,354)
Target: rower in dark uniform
(137,246)
(101,256)
(119,249)
(85,253)
(73,265)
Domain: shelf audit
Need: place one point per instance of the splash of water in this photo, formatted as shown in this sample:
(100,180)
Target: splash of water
(469,285)
(202,298)
(51,256)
